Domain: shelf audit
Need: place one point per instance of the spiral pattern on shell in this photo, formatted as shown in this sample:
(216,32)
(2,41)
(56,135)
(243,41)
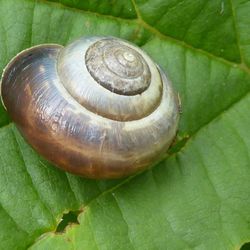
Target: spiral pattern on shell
(99,107)
(117,67)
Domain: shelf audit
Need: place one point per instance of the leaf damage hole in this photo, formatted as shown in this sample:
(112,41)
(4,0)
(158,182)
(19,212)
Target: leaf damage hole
(68,219)
(245,246)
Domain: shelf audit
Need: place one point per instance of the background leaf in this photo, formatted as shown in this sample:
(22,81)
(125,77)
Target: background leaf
(198,197)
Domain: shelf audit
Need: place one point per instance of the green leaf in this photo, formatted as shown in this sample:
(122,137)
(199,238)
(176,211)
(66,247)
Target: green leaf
(121,8)
(198,197)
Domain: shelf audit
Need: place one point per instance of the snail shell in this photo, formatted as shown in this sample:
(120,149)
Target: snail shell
(99,107)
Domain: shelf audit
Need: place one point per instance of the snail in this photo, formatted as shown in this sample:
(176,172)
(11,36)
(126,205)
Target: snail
(99,107)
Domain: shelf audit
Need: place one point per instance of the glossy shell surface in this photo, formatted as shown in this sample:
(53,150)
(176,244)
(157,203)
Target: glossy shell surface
(92,109)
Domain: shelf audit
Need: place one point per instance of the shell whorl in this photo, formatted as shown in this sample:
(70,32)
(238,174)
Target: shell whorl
(118,67)
(96,87)
(84,126)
